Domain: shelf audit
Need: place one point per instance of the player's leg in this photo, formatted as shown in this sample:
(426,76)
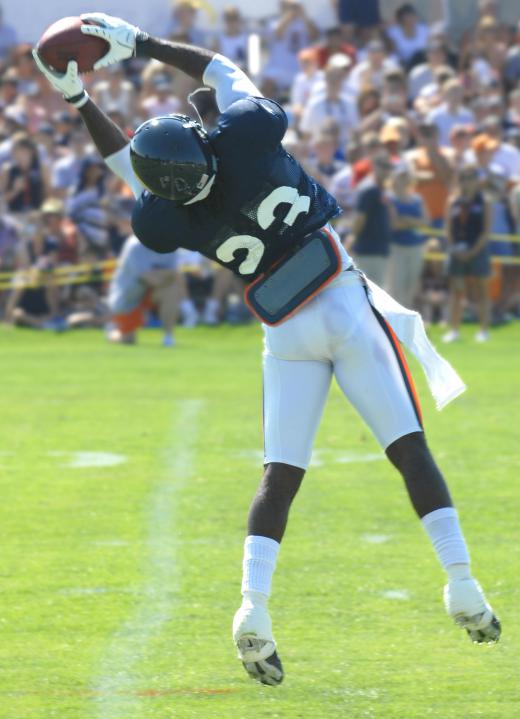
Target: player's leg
(483,307)
(430,497)
(294,396)
(372,372)
(168,298)
(456,305)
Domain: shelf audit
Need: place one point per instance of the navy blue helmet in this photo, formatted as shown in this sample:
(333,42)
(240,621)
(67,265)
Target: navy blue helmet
(172,157)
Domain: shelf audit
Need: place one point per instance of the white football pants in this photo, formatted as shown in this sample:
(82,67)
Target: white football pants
(337,333)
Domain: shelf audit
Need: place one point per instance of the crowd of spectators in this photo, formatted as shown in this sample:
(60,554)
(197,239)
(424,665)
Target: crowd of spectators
(406,129)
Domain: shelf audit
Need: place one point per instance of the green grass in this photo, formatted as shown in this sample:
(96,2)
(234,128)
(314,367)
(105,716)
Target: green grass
(119,583)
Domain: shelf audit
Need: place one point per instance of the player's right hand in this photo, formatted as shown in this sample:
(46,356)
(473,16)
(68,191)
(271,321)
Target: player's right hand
(120,35)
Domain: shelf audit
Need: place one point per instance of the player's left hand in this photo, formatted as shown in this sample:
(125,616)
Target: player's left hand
(69,83)
(120,35)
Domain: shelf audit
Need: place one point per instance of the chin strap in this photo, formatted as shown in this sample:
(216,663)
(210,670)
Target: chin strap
(203,193)
(191,102)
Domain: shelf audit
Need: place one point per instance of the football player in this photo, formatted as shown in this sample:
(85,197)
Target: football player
(239,198)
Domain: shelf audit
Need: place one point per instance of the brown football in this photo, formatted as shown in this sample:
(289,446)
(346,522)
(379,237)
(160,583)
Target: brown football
(64,41)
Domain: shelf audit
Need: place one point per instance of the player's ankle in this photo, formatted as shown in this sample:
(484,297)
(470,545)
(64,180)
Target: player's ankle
(458,571)
(255,598)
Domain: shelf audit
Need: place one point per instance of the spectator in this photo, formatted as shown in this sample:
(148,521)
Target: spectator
(484,147)
(461,152)
(323,164)
(145,279)
(232,40)
(391,139)
(58,232)
(512,62)
(63,124)
(452,112)
(423,74)
(22,180)
(286,36)
(502,223)
(513,112)
(409,36)
(358,16)
(9,87)
(333,44)
(114,90)
(26,70)
(9,244)
(304,82)
(431,167)
(371,227)
(8,37)
(369,72)
(486,55)
(332,104)
(405,263)
(164,101)
(506,156)
(65,171)
(468,222)
(184,23)
(34,302)
(87,209)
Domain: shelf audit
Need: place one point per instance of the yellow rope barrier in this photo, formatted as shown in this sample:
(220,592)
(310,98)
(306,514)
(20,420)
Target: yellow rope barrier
(103,271)
(440,232)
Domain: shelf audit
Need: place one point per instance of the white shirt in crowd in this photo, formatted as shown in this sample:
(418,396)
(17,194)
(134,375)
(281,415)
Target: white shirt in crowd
(235,47)
(320,108)
(303,86)
(282,65)
(122,99)
(405,46)
(155,107)
(446,120)
(508,158)
(362,75)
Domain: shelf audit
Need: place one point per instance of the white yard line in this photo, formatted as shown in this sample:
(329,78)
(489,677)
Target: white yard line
(115,687)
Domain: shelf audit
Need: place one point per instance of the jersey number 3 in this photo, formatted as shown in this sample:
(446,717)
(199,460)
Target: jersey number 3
(265,217)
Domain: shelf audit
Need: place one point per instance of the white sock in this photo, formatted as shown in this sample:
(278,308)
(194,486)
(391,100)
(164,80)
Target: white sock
(212,305)
(443,529)
(188,307)
(260,555)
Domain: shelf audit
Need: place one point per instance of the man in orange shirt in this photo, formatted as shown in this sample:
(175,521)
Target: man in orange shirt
(433,172)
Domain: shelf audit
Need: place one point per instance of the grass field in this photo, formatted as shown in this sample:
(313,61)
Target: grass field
(126,474)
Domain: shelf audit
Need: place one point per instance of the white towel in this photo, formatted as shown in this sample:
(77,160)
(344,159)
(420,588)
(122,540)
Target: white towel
(444,382)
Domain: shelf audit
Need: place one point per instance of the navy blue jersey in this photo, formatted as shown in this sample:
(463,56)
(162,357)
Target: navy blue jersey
(261,204)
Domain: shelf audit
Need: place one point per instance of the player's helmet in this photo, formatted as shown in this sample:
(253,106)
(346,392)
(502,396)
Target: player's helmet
(172,157)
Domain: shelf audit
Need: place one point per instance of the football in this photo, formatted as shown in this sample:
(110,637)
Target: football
(64,41)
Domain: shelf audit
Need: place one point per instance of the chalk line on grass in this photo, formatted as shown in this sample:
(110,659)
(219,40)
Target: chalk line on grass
(81,460)
(116,695)
(376,538)
(399,594)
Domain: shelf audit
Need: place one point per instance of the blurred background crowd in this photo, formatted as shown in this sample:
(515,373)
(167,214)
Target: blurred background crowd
(417,136)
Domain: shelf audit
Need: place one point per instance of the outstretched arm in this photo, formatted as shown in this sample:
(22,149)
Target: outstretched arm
(107,136)
(109,139)
(203,65)
(190,59)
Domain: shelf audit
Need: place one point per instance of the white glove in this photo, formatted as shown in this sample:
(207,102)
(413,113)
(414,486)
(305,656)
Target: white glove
(68,83)
(120,35)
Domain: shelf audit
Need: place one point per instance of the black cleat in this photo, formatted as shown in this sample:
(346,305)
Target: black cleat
(267,671)
(490,634)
